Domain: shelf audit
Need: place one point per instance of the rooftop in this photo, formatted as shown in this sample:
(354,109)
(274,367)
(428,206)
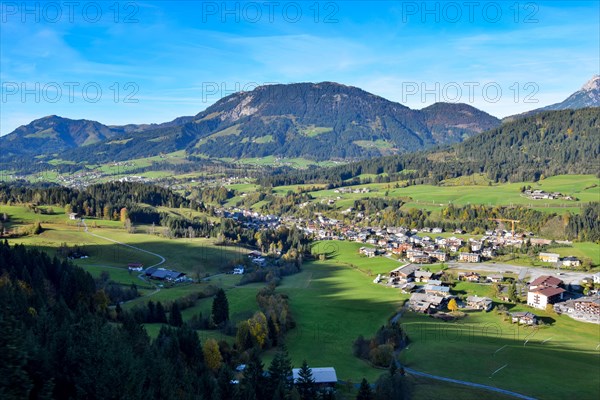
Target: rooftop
(546,280)
(320,375)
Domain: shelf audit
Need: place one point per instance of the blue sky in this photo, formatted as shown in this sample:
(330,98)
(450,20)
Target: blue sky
(154,61)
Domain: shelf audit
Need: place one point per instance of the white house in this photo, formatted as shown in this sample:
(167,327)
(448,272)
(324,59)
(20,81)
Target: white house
(540,298)
(549,257)
(238,270)
(479,303)
(571,262)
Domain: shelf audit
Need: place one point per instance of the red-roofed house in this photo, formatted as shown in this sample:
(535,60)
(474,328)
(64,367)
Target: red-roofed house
(545,281)
(544,290)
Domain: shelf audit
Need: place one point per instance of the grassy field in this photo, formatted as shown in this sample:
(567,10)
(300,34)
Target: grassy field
(119,275)
(332,305)
(584,187)
(300,163)
(22,215)
(586,249)
(346,253)
(429,389)
(198,257)
(552,362)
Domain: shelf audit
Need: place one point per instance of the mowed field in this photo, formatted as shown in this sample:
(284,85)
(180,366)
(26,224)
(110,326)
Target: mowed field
(558,361)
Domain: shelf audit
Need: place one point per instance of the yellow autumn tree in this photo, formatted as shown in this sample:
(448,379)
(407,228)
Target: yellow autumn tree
(212,355)
(452,306)
(258,328)
(124,215)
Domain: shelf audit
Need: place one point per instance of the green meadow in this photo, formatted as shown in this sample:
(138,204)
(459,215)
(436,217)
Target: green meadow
(585,187)
(551,362)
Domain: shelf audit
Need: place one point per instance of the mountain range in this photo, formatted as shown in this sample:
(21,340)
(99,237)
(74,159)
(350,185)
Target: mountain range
(315,121)
(587,96)
(318,121)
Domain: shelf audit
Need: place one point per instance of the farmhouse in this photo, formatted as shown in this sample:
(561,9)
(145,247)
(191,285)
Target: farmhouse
(479,303)
(468,257)
(495,278)
(135,266)
(425,303)
(549,257)
(437,290)
(254,254)
(571,262)
(524,317)
(73,216)
(408,287)
(471,277)
(423,276)
(239,270)
(406,272)
(368,251)
(260,261)
(323,377)
(163,274)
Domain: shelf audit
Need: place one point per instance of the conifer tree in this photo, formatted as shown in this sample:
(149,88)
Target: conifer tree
(305,383)
(220,308)
(364,392)
(175,319)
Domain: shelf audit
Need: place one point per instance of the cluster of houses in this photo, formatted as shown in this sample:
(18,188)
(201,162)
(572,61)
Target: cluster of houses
(434,295)
(430,295)
(542,195)
(350,190)
(419,246)
(257,259)
(251,219)
(549,290)
(79,179)
(423,250)
(570,261)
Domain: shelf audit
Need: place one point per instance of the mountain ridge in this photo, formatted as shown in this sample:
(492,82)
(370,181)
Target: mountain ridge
(587,96)
(319,121)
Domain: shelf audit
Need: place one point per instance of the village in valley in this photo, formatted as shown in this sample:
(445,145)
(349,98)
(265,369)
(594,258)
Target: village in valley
(455,258)
(432,292)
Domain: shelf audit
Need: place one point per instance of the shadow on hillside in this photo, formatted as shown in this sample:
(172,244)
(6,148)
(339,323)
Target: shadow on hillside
(180,254)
